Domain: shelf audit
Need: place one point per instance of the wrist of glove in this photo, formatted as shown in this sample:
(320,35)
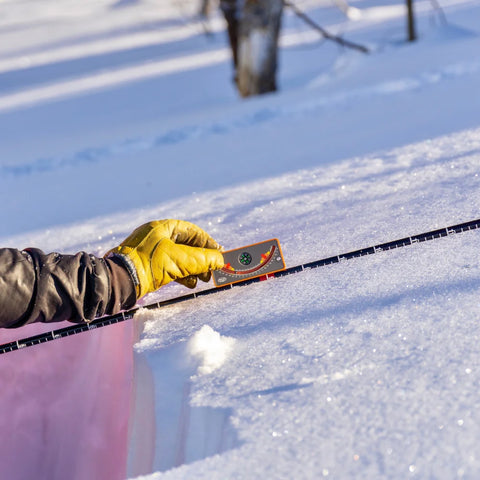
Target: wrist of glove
(162,251)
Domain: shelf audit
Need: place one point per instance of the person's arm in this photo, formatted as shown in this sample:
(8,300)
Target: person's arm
(38,287)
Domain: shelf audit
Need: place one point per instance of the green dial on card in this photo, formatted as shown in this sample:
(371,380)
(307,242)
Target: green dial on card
(245,258)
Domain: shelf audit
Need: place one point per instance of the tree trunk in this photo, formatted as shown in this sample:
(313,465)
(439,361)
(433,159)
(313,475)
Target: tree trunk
(256,57)
(231,13)
(204,8)
(412,36)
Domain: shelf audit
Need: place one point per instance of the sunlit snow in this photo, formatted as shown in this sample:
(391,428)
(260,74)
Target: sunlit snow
(113,113)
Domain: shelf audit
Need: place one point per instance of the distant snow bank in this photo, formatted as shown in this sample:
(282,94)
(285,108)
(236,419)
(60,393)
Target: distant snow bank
(167,430)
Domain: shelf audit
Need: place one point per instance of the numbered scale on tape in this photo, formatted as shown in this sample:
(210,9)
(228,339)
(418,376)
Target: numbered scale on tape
(257,260)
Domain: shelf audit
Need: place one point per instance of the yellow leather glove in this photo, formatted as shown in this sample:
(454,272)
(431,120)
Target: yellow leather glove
(161,251)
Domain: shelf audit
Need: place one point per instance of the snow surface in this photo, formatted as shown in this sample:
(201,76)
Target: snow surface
(113,113)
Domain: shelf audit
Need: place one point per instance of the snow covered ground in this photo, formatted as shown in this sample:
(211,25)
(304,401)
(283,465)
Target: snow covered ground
(116,112)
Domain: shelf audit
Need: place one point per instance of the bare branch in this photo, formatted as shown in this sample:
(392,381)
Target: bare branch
(325,34)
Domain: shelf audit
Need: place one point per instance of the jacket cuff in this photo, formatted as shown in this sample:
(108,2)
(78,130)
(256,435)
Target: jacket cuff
(122,285)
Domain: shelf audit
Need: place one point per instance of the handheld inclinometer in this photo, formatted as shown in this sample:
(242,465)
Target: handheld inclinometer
(250,261)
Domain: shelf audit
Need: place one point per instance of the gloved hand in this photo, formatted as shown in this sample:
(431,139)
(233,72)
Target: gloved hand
(161,251)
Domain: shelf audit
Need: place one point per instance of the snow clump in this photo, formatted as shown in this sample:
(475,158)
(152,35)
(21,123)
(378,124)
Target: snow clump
(209,349)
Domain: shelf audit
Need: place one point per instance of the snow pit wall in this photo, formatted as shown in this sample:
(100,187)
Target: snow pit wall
(69,411)
(167,430)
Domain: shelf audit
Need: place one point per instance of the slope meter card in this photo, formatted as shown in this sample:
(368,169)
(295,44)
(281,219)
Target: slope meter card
(251,261)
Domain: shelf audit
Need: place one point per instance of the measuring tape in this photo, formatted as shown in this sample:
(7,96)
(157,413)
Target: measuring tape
(244,260)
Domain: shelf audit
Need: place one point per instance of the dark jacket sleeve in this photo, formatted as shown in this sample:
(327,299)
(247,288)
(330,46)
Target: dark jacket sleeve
(38,287)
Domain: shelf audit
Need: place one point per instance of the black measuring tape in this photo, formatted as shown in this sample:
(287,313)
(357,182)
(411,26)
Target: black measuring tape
(129,314)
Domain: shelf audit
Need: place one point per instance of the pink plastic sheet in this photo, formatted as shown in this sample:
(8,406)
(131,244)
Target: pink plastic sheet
(65,405)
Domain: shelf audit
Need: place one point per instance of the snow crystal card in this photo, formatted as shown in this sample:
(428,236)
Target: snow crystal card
(251,261)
